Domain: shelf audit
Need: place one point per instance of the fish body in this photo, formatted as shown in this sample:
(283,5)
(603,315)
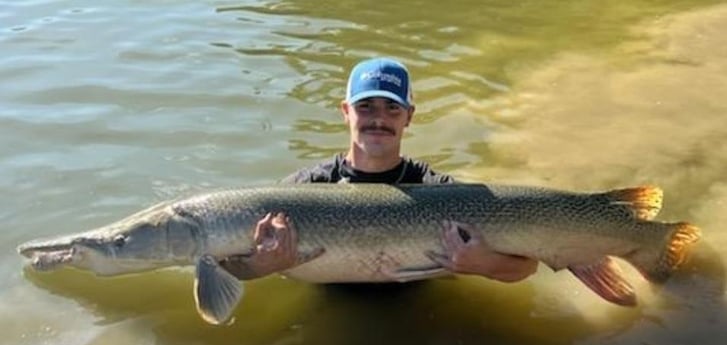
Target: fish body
(380,233)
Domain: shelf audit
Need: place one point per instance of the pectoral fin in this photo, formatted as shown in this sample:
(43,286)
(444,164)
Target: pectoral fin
(605,279)
(216,291)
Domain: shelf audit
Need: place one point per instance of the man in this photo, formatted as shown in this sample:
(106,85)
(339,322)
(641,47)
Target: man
(377,109)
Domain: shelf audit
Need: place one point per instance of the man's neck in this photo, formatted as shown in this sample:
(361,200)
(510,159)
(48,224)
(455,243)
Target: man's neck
(364,162)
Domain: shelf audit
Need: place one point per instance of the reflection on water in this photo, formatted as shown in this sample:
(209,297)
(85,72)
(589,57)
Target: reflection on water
(112,107)
(441,311)
(461,54)
(400,313)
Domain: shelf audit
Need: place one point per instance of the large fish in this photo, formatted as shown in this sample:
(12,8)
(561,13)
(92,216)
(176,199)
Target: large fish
(380,233)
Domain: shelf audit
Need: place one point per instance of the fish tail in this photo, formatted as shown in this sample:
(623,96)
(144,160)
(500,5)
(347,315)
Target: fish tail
(645,201)
(656,264)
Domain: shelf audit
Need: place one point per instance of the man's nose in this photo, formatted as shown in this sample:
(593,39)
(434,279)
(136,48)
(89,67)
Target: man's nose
(378,117)
(378,111)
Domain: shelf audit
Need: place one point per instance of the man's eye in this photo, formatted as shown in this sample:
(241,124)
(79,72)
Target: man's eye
(363,106)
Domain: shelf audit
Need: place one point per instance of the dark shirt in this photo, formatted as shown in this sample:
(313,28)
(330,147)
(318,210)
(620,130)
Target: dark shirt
(337,169)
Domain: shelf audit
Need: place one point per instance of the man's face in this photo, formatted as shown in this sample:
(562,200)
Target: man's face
(377,124)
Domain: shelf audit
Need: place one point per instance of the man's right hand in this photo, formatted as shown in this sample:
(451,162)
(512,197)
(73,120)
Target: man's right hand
(276,250)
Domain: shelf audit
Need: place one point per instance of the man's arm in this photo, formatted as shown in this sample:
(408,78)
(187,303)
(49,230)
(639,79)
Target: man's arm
(276,250)
(281,254)
(467,252)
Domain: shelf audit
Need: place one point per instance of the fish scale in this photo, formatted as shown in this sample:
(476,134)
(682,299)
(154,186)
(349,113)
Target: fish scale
(356,222)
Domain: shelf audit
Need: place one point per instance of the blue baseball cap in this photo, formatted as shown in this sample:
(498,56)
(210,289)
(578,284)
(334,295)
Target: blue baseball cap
(379,77)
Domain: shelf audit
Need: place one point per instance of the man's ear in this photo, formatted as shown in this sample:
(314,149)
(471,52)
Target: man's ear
(409,115)
(345,109)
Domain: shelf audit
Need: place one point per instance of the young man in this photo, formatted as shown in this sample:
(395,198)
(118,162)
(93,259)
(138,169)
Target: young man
(377,109)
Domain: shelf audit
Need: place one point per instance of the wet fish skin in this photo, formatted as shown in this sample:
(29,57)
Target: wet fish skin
(378,233)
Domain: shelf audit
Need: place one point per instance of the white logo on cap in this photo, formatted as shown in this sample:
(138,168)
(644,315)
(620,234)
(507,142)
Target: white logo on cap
(387,77)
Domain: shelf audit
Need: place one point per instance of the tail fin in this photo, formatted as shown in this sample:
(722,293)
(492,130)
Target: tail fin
(644,202)
(657,263)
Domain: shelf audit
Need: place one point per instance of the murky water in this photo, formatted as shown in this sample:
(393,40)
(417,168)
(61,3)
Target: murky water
(109,107)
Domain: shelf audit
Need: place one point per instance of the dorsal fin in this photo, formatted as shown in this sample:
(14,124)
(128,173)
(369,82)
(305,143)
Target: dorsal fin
(644,202)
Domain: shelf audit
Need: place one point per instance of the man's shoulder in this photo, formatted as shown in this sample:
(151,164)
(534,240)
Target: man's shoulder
(323,171)
(419,171)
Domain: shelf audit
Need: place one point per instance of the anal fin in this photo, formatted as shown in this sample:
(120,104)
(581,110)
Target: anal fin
(605,279)
(216,291)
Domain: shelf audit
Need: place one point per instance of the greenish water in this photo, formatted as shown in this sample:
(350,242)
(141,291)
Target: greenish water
(107,107)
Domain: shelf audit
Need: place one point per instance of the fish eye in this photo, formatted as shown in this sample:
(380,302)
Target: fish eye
(119,241)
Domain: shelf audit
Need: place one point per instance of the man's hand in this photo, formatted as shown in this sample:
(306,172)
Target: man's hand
(276,242)
(466,252)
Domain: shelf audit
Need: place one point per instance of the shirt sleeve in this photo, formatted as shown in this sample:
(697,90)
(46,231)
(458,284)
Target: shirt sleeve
(427,175)
(300,176)
(433,177)
(323,172)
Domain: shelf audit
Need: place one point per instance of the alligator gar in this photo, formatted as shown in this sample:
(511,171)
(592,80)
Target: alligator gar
(381,233)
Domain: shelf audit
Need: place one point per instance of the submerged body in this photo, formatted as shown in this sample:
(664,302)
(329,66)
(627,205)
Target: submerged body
(377,233)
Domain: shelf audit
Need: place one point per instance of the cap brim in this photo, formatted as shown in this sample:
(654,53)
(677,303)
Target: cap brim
(378,93)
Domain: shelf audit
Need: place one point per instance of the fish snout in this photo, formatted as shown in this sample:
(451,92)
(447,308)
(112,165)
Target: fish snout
(26,250)
(32,248)
(48,255)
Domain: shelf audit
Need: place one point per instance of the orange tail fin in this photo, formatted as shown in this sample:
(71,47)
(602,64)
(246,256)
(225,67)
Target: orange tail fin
(657,264)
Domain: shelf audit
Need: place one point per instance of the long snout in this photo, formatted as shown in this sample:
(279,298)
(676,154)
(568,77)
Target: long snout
(136,243)
(50,253)
(31,248)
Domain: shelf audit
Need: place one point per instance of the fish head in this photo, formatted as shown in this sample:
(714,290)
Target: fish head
(150,239)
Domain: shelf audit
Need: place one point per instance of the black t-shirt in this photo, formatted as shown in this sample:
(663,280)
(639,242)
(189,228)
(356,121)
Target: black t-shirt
(337,170)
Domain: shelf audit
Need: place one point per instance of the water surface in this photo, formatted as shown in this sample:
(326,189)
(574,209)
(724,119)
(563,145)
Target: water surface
(109,107)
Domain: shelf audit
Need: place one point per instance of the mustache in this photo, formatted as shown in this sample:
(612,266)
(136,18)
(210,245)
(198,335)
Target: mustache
(368,128)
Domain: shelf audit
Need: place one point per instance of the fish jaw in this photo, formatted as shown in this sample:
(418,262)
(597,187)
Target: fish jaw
(87,251)
(52,253)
